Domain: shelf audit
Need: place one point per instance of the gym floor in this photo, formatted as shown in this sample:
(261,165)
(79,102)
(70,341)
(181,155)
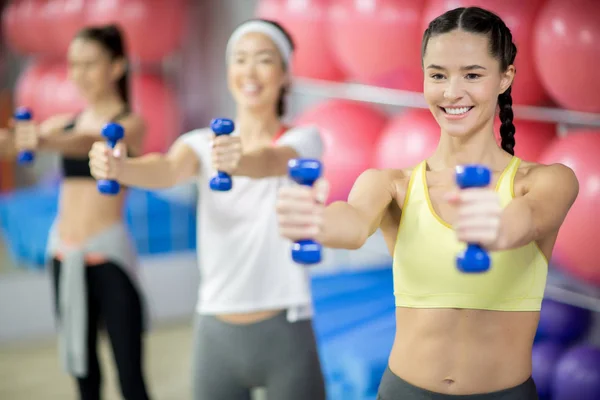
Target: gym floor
(30,371)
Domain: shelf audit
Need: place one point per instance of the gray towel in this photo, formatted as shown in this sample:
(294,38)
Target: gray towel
(116,245)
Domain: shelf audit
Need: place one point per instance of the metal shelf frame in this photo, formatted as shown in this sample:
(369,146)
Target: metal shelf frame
(401,98)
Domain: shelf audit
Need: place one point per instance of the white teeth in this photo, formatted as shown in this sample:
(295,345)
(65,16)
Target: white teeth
(457,111)
(250,88)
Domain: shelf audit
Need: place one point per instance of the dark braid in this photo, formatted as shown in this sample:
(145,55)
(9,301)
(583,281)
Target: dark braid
(480,21)
(507,129)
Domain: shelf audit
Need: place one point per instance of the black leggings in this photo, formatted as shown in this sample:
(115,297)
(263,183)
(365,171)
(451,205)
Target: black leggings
(112,299)
(392,387)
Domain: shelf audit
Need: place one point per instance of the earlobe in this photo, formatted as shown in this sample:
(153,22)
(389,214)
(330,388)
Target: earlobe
(507,79)
(119,69)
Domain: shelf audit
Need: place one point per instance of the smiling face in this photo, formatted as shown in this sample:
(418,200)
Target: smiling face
(256,72)
(462,81)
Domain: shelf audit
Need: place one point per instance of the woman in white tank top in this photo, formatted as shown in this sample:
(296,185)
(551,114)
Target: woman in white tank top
(254,307)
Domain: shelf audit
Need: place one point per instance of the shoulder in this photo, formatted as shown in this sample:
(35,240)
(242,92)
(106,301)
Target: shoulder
(57,122)
(393,180)
(197,139)
(551,176)
(305,140)
(302,129)
(133,121)
(305,132)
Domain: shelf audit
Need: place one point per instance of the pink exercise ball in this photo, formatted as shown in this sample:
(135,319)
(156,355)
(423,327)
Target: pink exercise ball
(350,131)
(153,29)
(306,21)
(155,100)
(567,52)
(379,41)
(532,138)
(406,140)
(577,251)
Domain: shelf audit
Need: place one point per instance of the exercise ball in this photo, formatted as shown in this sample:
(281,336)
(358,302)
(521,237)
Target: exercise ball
(406,140)
(153,29)
(532,138)
(306,21)
(567,51)
(57,94)
(544,357)
(22,22)
(577,374)
(64,18)
(11,28)
(520,17)
(562,322)
(577,242)
(350,131)
(155,101)
(29,85)
(379,41)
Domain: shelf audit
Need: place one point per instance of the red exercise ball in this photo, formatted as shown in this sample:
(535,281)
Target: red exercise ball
(156,102)
(520,17)
(306,21)
(577,243)
(379,41)
(57,94)
(407,139)
(532,138)
(22,23)
(350,131)
(153,29)
(28,86)
(11,28)
(64,18)
(567,52)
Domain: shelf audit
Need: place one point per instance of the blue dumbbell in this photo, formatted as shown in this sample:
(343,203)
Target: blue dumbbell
(113,133)
(222,181)
(24,115)
(305,172)
(474,259)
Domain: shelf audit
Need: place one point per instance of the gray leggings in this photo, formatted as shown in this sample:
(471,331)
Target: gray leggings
(230,359)
(393,387)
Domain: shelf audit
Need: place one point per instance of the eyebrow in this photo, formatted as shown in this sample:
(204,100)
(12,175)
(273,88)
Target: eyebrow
(465,68)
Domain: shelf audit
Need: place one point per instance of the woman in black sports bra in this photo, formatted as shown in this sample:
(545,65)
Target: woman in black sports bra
(91,256)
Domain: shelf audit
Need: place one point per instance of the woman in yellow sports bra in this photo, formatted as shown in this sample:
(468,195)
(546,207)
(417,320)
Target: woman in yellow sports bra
(459,335)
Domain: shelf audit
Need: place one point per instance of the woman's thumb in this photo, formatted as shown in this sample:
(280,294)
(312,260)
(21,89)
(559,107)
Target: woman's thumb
(321,190)
(119,151)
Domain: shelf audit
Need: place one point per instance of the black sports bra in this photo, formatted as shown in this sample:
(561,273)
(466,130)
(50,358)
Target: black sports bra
(75,167)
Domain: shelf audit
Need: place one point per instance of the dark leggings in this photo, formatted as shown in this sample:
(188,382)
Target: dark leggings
(112,299)
(392,387)
(230,359)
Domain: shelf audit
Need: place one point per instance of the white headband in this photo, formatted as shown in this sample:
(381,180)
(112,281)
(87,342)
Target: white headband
(281,42)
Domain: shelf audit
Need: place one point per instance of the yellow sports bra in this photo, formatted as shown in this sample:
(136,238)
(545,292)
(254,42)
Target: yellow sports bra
(425,272)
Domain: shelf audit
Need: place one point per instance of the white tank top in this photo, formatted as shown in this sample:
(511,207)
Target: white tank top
(245,265)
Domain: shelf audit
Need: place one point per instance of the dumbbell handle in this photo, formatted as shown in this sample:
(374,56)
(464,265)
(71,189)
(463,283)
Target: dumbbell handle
(25,156)
(305,172)
(222,181)
(113,133)
(474,259)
